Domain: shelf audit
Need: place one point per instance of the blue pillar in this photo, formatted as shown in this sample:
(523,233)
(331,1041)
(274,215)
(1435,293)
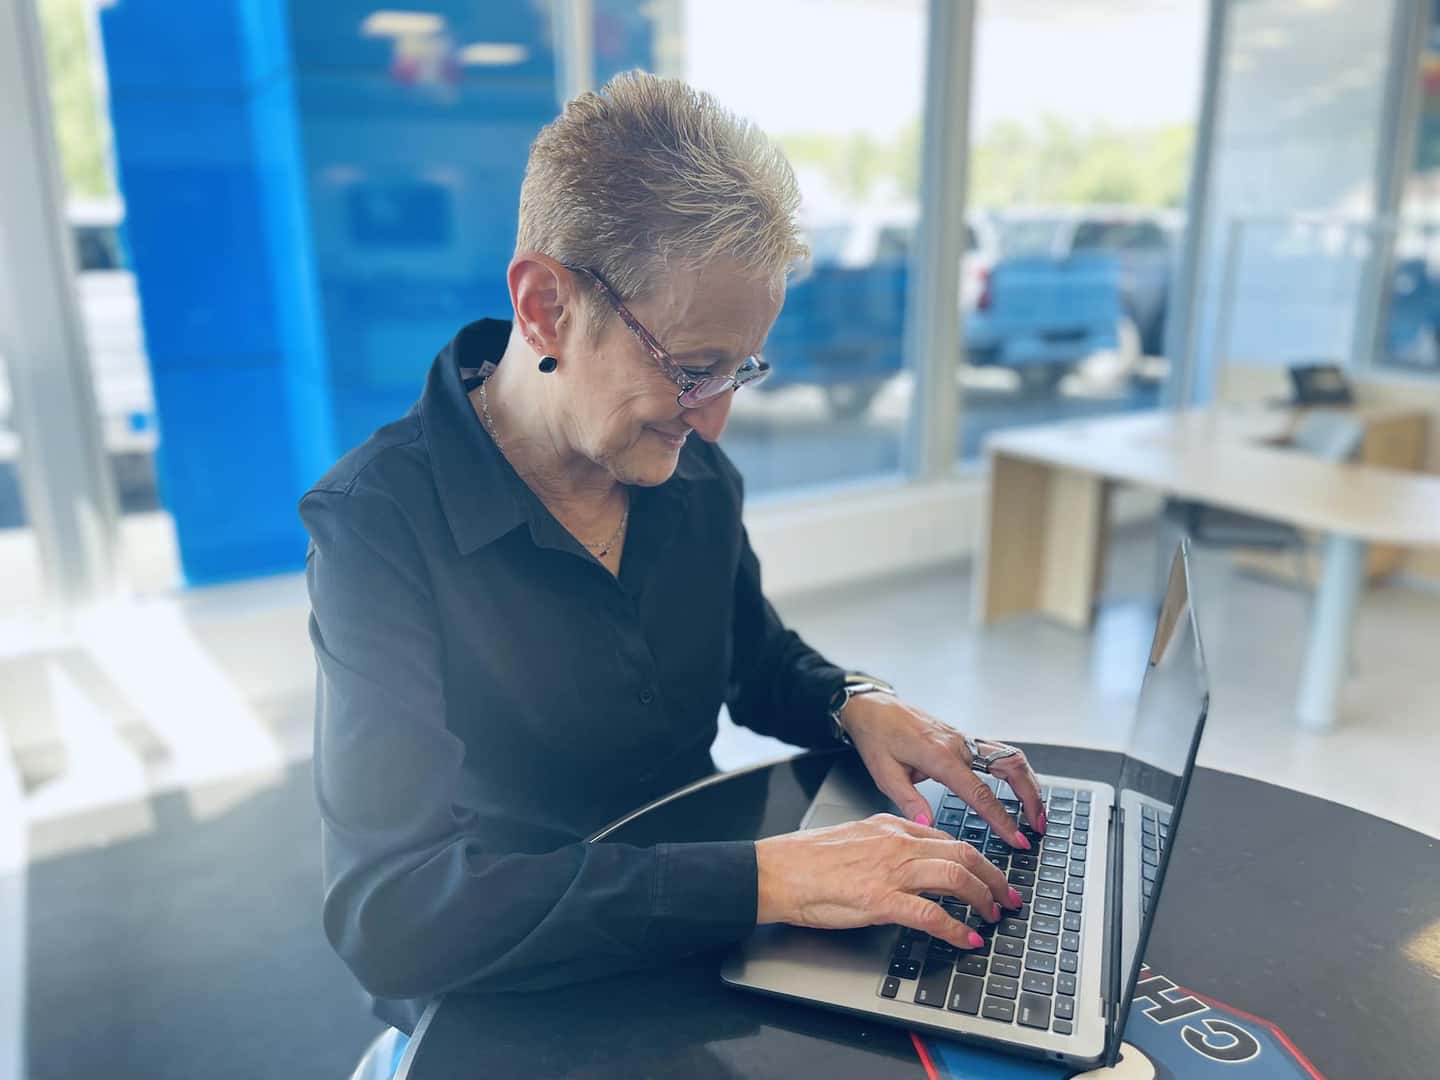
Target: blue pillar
(208,159)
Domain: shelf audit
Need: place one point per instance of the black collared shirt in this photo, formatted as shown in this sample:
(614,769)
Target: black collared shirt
(489,695)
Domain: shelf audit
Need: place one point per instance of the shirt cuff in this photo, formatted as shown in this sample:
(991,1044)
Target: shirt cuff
(706,895)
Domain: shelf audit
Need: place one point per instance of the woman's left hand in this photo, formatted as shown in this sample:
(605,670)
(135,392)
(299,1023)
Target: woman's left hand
(902,745)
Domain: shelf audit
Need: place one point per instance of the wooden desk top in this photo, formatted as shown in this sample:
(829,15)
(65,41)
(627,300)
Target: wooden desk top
(1220,456)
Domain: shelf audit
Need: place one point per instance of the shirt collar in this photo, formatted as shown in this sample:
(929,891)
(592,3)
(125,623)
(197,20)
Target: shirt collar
(482,496)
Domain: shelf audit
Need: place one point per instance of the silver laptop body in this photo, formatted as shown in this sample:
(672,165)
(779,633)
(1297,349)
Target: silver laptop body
(1056,983)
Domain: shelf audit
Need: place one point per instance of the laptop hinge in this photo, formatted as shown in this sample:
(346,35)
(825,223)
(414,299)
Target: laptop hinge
(1114,932)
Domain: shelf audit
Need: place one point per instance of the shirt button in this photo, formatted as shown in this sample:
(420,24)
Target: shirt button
(647,696)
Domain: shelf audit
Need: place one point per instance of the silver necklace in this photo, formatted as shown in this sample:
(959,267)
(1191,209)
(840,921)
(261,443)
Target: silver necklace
(603,547)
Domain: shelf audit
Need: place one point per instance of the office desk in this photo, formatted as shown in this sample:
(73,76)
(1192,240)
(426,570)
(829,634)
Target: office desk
(1321,919)
(1043,535)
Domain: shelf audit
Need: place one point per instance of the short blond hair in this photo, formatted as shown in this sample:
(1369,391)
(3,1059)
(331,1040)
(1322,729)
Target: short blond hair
(648,174)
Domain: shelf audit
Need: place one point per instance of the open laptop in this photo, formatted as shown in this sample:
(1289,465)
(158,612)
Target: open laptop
(1056,978)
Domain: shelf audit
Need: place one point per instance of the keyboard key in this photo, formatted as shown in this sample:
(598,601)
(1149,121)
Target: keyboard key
(1078,859)
(1000,862)
(1077,867)
(1009,946)
(1054,858)
(905,969)
(1083,796)
(1061,832)
(1075,902)
(998,1009)
(1047,906)
(1034,1011)
(1014,927)
(934,985)
(1005,965)
(1045,943)
(1027,892)
(1065,1008)
(1043,962)
(1063,1027)
(983,950)
(975,834)
(1054,843)
(890,987)
(1021,877)
(1023,913)
(1024,862)
(1036,983)
(1051,873)
(952,801)
(1048,889)
(950,817)
(1070,962)
(1012,806)
(1148,872)
(942,950)
(1075,885)
(955,909)
(1045,924)
(902,950)
(965,994)
(1060,817)
(1000,986)
(1065,984)
(1079,840)
(996,846)
(1064,793)
(1072,921)
(970,964)
(1147,813)
(1070,942)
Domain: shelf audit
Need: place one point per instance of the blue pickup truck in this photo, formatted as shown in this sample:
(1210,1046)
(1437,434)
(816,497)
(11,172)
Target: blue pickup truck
(1039,291)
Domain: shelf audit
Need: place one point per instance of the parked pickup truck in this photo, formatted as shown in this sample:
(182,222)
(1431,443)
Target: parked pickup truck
(1040,291)
(1068,285)
(842,326)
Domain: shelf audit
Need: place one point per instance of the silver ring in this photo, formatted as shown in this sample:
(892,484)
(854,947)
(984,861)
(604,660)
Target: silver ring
(984,763)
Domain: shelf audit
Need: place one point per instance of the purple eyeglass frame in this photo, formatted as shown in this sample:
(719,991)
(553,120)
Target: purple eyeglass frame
(699,391)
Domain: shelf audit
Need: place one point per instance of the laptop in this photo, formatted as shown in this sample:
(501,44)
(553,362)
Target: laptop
(1055,979)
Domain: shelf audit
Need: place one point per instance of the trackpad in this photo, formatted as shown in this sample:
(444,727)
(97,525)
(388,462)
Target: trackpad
(823,814)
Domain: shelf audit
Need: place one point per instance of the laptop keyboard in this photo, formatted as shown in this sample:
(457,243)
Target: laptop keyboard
(1026,972)
(1154,835)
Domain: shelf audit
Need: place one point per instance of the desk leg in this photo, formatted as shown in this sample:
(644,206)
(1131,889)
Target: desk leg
(1328,660)
(1041,543)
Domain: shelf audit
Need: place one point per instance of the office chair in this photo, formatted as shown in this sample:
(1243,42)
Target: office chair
(1328,435)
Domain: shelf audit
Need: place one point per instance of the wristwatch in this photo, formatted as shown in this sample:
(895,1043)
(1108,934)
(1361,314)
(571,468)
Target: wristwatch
(855,684)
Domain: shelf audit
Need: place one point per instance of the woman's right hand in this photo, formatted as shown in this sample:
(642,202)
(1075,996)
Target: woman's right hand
(872,872)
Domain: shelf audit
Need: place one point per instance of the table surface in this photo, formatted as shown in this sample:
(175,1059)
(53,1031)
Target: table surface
(1219,456)
(1319,918)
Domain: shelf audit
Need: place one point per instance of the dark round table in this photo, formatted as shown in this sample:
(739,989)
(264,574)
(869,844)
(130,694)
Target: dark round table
(1322,919)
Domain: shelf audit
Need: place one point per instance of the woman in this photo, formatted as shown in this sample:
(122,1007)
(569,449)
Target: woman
(533,593)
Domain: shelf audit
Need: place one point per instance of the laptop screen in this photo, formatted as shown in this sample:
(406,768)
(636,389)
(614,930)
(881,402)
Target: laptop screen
(1155,771)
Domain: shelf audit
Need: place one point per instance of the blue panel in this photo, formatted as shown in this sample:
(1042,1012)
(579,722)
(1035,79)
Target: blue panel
(414,183)
(227,472)
(211,46)
(208,160)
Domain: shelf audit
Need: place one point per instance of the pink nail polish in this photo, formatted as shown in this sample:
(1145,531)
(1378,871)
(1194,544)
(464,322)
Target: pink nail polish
(1021,842)
(923,819)
(976,941)
(1016,900)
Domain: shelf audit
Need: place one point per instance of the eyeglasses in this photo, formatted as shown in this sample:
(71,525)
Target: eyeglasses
(696,388)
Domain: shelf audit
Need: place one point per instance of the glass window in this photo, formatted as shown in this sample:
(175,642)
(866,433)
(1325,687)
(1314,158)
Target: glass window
(106,289)
(1409,332)
(1082,180)
(837,404)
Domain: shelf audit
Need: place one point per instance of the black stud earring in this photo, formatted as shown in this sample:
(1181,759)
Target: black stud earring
(548,364)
